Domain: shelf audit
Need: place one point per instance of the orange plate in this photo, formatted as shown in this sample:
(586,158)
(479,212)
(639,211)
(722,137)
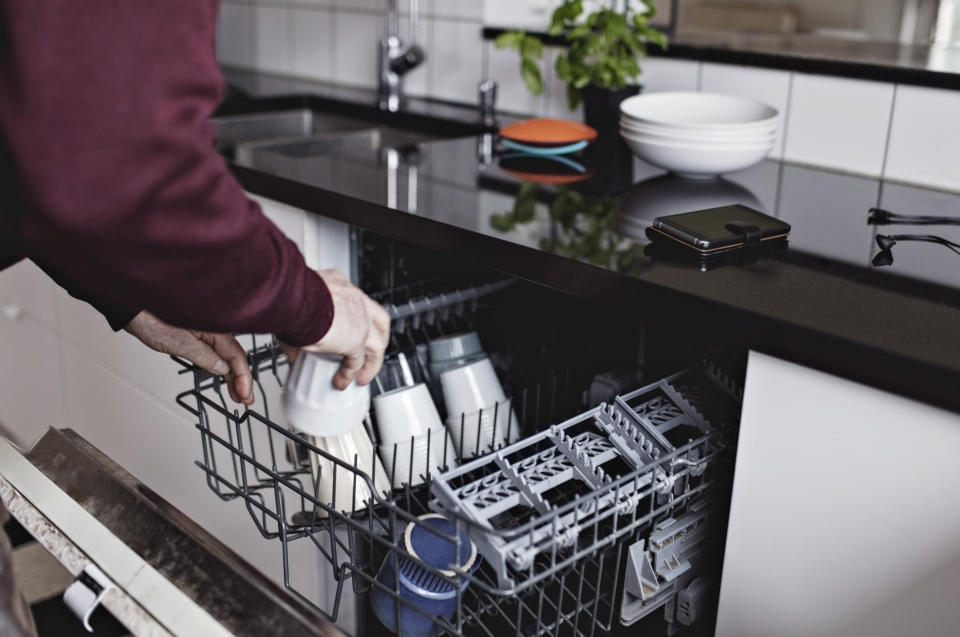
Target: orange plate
(548,132)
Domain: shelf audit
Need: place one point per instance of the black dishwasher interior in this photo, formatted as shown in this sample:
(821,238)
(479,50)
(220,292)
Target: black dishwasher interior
(611,489)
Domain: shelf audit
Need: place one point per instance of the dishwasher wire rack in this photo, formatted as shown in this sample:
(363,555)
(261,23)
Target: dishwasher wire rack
(546,570)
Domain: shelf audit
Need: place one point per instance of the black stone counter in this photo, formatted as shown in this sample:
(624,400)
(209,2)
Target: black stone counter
(819,302)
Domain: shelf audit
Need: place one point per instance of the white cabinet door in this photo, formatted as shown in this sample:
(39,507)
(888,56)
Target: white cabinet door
(158,443)
(25,287)
(85,329)
(845,516)
(31,394)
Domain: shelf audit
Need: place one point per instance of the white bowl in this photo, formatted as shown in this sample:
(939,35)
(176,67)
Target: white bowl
(697,110)
(696,161)
(698,134)
(742,142)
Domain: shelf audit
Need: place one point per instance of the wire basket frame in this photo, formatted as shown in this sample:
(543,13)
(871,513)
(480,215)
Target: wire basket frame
(251,456)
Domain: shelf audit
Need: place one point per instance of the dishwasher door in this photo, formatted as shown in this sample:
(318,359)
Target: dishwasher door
(156,571)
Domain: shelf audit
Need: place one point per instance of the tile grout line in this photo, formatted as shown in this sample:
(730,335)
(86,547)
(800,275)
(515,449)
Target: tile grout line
(788,109)
(886,145)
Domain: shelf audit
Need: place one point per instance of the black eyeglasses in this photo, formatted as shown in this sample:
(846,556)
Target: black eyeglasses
(886,242)
(881,217)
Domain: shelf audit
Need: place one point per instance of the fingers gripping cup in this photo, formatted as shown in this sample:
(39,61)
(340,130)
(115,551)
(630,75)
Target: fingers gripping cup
(430,540)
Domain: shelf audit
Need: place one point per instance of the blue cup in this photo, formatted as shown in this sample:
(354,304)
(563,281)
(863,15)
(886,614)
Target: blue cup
(422,588)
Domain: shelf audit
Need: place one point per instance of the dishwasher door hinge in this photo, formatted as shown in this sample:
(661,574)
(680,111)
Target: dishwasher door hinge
(84,595)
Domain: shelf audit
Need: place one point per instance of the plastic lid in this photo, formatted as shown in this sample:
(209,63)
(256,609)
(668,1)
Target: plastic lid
(456,346)
(437,550)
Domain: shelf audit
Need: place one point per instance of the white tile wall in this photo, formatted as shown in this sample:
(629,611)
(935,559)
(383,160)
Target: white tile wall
(454,68)
(925,137)
(827,121)
(663,74)
(271,38)
(355,59)
(769,86)
(463,9)
(839,123)
(235,34)
(312,47)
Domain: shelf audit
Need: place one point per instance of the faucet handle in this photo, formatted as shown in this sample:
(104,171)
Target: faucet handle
(487,94)
(411,57)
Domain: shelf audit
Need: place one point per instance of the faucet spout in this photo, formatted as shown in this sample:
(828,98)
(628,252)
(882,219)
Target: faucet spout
(397,58)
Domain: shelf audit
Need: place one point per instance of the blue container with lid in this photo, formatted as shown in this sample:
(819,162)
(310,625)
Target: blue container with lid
(428,540)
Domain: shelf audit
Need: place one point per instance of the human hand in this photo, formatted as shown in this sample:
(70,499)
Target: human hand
(360,332)
(218,354)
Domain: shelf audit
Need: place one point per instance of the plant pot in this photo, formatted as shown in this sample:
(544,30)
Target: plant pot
(601,108)
(609,157)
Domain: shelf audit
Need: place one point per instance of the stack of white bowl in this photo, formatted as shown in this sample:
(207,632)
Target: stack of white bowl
(698,135)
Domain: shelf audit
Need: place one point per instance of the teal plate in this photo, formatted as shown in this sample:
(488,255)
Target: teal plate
(545,151)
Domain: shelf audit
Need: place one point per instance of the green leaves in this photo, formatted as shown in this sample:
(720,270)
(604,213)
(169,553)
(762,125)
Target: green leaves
(531,50)
(510,40)
(524,209)
(603,48)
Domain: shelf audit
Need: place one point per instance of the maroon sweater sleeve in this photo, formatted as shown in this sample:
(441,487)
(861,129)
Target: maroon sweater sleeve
(104,107)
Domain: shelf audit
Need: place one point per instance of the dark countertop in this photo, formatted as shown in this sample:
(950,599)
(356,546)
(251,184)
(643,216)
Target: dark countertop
(933,65)
(820,303)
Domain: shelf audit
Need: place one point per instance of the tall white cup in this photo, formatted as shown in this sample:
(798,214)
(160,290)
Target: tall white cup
(342,487)
(470,388)
(473,395)
(314,406)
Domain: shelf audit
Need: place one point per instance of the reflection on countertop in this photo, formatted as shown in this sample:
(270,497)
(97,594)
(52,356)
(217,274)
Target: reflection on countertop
(576,207)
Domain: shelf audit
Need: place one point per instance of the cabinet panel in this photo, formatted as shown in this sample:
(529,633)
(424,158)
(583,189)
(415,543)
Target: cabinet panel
(157,443)
(84,328)
(843,502)
(30,382)
(290,220)
(28,288)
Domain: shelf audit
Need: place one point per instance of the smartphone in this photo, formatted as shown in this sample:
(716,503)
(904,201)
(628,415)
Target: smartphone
(719,230)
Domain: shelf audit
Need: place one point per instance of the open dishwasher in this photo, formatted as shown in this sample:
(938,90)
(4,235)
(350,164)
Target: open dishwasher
(600,510)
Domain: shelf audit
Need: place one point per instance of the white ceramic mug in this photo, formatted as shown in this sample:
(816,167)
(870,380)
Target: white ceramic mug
(312,405)
(351,492)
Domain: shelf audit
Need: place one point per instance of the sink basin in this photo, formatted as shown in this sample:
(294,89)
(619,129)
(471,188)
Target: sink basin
(356,144)
(234,131)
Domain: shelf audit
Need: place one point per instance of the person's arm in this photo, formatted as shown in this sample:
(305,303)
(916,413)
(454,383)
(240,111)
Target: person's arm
(104,106)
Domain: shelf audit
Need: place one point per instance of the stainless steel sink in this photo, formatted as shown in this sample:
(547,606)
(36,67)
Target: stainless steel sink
(357,144)
(234,131)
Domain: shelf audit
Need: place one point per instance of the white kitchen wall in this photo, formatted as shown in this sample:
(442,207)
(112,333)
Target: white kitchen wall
(903,133)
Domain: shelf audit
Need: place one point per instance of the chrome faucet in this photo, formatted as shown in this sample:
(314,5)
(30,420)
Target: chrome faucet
(397,57)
